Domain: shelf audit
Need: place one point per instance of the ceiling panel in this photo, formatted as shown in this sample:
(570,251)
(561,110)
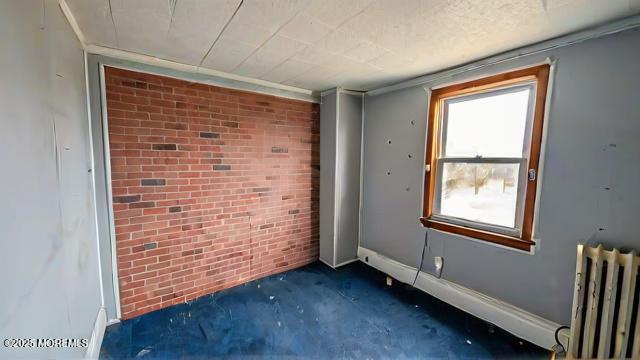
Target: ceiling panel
(306,29)
(139,24)
(194,27)
(335,12)
(290,68)
(365,52)
(188,26)
(246,32)
(95,21)
(274,52)
(226,55)
(270,14)
(339,41)
(318,44)
(320,76)
(314,55)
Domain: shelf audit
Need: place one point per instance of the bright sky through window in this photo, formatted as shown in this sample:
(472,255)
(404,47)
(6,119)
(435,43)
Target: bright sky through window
(489,126)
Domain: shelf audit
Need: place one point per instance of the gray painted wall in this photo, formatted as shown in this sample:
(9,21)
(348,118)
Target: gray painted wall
(48,248)
(328,125)
(394,129)
(340,140)
(348,176)
(593,143)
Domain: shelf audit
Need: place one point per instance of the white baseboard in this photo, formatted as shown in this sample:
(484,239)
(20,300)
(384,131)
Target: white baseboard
(326,262)
(517,321)
(338,265)
(347,262)
(93,350)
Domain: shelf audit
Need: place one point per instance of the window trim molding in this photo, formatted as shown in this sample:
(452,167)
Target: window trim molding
(540,74)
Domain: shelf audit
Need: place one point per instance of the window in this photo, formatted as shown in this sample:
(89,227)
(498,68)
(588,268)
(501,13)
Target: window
(483,150)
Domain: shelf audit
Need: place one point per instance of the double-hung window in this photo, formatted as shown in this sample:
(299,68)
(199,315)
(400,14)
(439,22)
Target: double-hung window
(483,149)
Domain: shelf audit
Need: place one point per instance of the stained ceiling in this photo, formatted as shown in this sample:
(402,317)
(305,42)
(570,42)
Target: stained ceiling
(320,44)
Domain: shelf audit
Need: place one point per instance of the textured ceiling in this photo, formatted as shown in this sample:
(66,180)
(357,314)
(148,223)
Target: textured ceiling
(319,44)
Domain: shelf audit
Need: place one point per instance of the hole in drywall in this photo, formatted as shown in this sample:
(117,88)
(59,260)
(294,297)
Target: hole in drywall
(410,156)
(388,172)
(413,122)
(408,189)
(389,142)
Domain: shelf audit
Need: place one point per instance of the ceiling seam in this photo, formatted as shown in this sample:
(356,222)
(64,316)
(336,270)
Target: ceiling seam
(224,28)
(295,53)
(44,15)
(271,37)
(329,33)
(172,9)
(113,21)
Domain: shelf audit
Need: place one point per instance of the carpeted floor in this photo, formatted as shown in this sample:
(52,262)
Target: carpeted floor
(314,312)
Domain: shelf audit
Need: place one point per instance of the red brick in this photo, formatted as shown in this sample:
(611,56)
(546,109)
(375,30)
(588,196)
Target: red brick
(241,175)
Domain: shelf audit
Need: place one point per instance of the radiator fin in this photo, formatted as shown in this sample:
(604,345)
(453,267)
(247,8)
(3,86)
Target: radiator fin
(605,322)
(608,305)
(591,311)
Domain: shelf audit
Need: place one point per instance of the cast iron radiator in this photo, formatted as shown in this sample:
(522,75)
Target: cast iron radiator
(604,320)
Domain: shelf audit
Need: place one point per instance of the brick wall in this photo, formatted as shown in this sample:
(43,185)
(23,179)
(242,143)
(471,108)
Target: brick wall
(212,187)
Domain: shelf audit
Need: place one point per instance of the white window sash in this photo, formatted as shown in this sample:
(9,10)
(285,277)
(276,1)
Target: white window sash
(521,191)
(522,161)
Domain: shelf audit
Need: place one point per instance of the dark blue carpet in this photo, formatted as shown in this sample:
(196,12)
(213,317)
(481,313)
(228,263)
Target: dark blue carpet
(314,312)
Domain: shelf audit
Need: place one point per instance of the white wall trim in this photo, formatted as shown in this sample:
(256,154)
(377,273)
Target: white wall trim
(93,175)
(517,321)
(346,263)
(107,170)
(468,78)
(72,22)
(338,265)
(628,23)
(543,150)
(361,174)
(204,75)
(326,262)
(351,92)
(328,92)
(336,185)
(93,349)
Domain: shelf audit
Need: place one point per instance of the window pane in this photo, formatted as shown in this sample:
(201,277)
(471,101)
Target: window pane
(489,126)
(480,192)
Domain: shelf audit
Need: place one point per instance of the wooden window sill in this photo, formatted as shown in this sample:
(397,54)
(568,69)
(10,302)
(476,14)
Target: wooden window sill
(495,238)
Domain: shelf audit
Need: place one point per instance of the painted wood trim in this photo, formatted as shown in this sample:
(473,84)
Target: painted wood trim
(542,79)
(495,238)
(539,74)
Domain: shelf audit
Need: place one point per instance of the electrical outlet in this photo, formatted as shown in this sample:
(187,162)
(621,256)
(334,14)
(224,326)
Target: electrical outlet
(438,263)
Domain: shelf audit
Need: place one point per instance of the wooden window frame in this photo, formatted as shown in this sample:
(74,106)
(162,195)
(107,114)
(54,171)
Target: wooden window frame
(539,74)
